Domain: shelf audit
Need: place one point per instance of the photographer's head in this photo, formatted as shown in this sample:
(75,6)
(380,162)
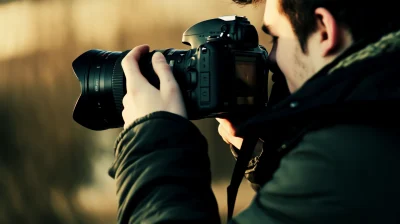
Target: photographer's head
(307,35)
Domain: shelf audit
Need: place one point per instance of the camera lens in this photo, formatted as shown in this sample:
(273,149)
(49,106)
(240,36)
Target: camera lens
(103,86)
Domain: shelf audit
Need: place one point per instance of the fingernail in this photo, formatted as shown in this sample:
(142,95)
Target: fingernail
(159,57)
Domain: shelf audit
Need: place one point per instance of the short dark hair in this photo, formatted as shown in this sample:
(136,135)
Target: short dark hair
(364,19)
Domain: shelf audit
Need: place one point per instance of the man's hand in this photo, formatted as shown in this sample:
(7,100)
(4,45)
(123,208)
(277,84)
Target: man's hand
(141,97)
(227,132)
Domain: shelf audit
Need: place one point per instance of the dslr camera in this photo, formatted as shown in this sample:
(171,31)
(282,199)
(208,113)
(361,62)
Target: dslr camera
(223,73)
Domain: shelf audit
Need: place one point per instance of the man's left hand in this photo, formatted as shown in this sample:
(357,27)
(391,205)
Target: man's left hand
(141,97)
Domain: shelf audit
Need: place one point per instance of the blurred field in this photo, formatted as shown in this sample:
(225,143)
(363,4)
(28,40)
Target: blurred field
(51,169)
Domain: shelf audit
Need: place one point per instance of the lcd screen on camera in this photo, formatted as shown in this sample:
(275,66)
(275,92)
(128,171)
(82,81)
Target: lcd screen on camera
(245,82)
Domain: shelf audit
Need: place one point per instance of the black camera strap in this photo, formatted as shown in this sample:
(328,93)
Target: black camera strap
(245,154)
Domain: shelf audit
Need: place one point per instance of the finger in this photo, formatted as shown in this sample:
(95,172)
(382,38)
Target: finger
(125,116)
(228,138)
(227,126)
(223,134)
(236,141)
(130,65)
(163,70)
(125,100)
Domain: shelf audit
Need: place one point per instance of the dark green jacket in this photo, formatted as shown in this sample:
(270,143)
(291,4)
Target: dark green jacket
(340,141)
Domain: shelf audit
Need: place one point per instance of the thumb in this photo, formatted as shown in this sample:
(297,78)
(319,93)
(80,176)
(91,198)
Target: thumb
(169,88)
(163,71)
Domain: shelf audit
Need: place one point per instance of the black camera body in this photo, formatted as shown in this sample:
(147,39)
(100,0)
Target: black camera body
(225,72)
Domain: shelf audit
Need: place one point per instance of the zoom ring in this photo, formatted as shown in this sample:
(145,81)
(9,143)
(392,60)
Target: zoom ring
(118,83)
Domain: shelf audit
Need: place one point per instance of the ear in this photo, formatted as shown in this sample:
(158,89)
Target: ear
(328,31)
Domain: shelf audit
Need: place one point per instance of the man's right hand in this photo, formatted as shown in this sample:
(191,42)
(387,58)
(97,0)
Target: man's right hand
(227,132)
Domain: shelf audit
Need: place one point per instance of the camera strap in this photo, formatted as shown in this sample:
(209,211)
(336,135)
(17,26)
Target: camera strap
(245,154)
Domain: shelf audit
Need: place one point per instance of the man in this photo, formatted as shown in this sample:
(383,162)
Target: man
(331,149)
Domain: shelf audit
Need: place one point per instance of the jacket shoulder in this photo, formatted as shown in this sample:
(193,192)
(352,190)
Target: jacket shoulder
(342,143)
(332,176)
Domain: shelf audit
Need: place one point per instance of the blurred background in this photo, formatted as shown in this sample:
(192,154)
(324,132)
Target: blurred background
(53,170)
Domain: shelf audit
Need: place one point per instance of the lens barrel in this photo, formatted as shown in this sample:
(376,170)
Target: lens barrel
(102,89)
(103,84)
